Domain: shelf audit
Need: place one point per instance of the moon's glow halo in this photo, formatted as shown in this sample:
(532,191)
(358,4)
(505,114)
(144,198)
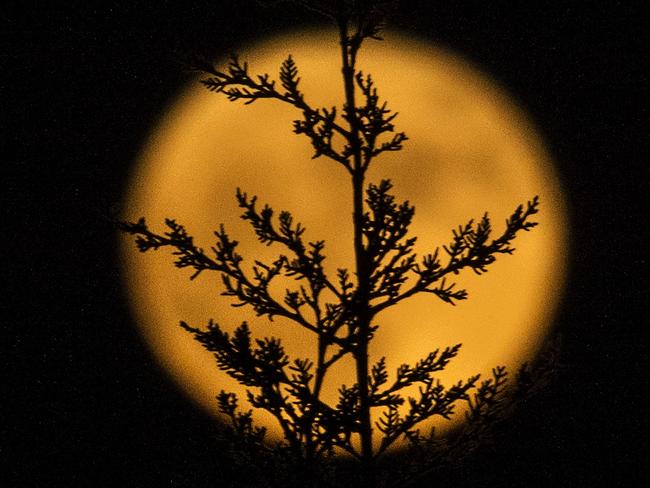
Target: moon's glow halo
(470,150)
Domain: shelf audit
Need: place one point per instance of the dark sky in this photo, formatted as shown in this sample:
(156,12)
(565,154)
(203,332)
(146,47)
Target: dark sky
(88,404)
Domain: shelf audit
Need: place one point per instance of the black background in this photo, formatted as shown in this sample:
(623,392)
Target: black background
(87,403)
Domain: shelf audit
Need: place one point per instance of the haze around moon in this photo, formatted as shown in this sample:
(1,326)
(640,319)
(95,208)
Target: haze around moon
(471,149)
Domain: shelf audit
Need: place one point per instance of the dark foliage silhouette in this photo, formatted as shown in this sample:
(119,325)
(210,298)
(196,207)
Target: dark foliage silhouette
(339,310)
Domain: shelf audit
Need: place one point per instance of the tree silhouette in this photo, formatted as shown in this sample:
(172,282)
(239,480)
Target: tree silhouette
(340,311)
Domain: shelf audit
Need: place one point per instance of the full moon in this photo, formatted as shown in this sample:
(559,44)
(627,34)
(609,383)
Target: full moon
(471,149)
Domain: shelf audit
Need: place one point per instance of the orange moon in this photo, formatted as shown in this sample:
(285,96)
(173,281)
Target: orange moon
(470,150)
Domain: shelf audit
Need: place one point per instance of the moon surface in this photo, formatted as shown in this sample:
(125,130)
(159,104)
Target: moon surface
(470,150)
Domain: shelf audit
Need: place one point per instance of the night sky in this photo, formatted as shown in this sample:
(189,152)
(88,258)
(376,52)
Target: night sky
(87,402)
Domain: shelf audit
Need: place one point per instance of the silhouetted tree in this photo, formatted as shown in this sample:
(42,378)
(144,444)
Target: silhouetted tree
(340,310)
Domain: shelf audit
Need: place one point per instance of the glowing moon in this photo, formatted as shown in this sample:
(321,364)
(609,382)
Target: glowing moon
(470,150)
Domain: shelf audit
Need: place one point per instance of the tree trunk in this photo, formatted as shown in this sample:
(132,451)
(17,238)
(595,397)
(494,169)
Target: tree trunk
(362,309)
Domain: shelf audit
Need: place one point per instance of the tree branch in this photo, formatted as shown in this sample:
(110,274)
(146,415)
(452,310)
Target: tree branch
(468,250)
